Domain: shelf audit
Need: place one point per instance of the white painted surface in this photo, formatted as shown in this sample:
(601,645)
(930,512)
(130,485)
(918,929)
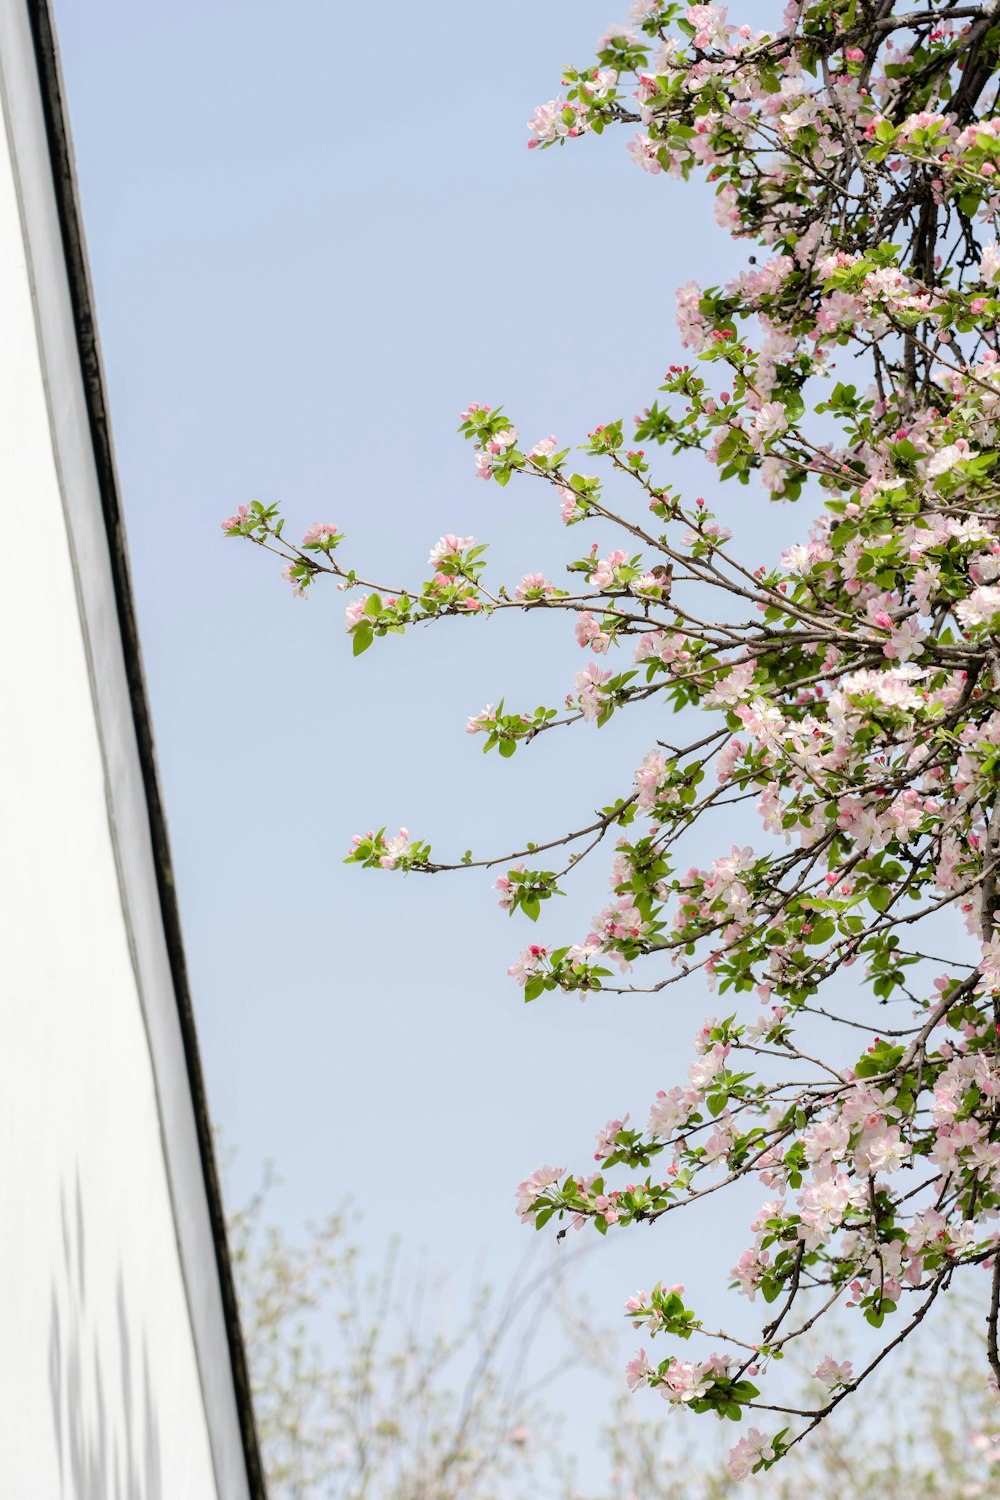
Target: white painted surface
(114,1372)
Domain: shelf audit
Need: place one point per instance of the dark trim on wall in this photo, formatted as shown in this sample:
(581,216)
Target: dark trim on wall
(64,182)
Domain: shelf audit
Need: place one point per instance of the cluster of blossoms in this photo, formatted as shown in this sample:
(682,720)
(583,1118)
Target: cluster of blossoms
(398,853)
(852,687)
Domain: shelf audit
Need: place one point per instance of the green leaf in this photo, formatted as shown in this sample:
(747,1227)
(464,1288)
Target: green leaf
(822,932)
(363,638)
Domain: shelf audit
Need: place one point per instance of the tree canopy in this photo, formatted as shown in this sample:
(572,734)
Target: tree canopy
(849,690)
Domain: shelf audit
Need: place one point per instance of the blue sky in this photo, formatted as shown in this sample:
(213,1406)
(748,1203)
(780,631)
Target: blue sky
(312,244)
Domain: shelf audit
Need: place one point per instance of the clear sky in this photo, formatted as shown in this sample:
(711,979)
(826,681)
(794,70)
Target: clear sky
(316,234)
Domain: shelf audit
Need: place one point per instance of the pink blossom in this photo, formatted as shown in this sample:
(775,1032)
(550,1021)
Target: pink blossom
(319,531)
(749,1451)
(588,684)
(725,761)
(235,521)
(946,458)
(395,849)
(644,152)
(571,509)
(649,778)
(691,322)
(506,887)
(589,633)
(549,122)
(606,1138)
(826,1142)
(823,1205)
(703,1072)
(884,1151)
(833,1374)
(989,264)
(684,1381)
(531,1189)
(981,607)
(449,545)
(527,964)
(299,582)
(485,719)
(989,965)
(769,420)
(638,1371)
(710,26)
(604,572)
(750,1270)
(734,687)
(671,1111)
(534,586)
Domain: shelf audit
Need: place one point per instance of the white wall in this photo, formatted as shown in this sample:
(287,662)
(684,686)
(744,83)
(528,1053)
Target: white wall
(114,1376)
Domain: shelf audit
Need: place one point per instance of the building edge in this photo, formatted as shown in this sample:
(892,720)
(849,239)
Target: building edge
(78,277)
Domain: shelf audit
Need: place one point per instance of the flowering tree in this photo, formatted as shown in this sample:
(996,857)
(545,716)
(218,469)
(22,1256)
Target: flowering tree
(850,691)
(916,1436)
(365,1388)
